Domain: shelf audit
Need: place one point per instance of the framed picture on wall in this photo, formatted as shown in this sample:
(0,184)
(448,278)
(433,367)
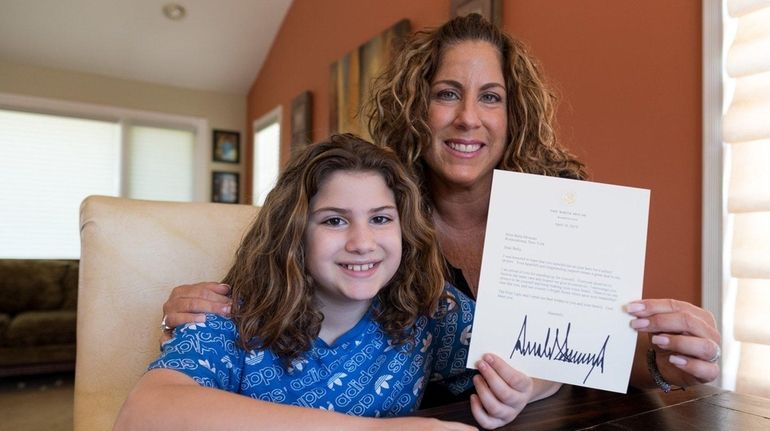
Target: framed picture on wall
(489,9)
(227,146)
(301,121)
(350,79)
(225,187)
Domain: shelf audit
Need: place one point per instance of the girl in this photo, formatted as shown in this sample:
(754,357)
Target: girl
(339,304)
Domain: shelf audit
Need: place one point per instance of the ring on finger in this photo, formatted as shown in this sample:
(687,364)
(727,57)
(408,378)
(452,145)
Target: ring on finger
(717,355)
(163,326)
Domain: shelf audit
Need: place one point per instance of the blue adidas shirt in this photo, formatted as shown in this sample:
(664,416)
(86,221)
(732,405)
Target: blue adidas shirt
(360,374)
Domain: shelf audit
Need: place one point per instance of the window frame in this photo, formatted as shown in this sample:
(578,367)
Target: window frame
(125,118)
(271,117)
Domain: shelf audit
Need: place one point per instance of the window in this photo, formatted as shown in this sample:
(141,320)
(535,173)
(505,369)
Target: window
(739,186)
(48,165)
(747,132)
(160,164)
(267,144)
(50,162)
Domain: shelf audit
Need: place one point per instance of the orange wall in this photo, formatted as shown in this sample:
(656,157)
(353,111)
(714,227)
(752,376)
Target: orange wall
(629,78)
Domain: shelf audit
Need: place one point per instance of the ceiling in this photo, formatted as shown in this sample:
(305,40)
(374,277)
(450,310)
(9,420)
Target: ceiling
(219,45)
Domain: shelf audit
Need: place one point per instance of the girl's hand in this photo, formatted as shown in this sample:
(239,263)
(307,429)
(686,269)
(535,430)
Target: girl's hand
(189,302)
(501,392)
(685,339)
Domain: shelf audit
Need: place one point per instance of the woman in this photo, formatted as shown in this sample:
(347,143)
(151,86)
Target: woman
(457,102)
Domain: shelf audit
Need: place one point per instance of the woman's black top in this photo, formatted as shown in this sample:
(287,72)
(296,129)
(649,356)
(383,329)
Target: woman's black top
(437,394)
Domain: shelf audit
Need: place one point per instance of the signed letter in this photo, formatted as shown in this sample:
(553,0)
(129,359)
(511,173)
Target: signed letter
(561,257)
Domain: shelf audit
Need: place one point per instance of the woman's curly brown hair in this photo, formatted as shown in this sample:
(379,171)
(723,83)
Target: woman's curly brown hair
(398,107)
(273,294)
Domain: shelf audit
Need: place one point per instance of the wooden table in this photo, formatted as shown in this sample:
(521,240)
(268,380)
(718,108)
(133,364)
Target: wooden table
(575,408)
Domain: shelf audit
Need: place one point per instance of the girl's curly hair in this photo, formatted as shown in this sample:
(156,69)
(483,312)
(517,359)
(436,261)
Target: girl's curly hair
(273,294)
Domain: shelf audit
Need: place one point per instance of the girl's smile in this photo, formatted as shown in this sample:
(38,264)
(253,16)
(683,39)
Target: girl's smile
(353,239)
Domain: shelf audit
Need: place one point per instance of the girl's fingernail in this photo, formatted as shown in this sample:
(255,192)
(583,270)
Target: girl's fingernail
(226,285)
(482,365)
(660,340)
(201,318)
(226,309)
(677,360)
(489,359)
(640,323)
(634,307)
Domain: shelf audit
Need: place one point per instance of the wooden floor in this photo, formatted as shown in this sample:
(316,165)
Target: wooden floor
(36,403)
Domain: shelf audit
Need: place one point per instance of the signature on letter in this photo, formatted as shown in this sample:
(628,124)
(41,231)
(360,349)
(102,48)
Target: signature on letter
(558,349)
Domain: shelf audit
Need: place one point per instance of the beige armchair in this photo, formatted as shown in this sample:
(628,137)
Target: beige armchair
(132,253)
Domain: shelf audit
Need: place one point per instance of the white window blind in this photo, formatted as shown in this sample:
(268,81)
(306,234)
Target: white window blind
(48,165)
(160,164)
(746,128)
(267,142)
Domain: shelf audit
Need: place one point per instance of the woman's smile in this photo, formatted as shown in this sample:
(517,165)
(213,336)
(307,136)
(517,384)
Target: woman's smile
(467,116)
(464,146)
